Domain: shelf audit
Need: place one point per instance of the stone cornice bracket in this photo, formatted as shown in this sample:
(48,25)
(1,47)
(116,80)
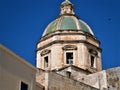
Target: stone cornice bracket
(94,52)
(44,52)
(69,47)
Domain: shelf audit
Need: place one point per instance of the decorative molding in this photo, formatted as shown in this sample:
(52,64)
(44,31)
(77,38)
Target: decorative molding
(68,15)
(44,52)
(68,32)
(69,47)
(94,52)
(71,42)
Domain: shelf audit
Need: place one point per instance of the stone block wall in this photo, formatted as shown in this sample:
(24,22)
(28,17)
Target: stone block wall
(39,87)
(104,80)
(113,78)
(97,80)
(40,77)
(59,82)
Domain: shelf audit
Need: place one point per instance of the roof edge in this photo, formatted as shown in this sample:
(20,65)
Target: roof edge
(2,47)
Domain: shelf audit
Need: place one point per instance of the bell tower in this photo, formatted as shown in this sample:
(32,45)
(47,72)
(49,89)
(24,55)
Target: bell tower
(68,41)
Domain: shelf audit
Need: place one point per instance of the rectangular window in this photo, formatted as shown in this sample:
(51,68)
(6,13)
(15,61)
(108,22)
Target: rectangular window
(68,74)
(24,86)
(46,61)
(69,58)
(92,61)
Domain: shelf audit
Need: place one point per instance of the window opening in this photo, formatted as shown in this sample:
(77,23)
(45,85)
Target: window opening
(68,74)
(24,86)
(46,61)
(69,58)
(92,61)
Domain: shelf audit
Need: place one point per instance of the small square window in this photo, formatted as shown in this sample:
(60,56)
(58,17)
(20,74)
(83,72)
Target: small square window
(24,86)
(69,58)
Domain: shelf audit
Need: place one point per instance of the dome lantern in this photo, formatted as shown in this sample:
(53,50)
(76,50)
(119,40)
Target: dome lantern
(67,7)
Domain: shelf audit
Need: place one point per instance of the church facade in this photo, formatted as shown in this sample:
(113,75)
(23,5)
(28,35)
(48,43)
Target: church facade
(68,57)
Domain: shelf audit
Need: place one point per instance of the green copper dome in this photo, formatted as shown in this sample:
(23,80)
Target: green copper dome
(67,23)
(67,20)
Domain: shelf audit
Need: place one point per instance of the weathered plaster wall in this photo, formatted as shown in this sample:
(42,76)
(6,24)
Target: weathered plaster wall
(75,72)
(40,77)
(97,80)
(39,86)
(104,80)
(56,56)
(59,82)
(14,70)
(113,78)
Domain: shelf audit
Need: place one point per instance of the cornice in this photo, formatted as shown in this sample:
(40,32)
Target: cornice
(68,32)
(67,41)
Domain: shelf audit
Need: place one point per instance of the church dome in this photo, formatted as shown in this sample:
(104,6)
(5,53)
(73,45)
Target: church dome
(67,21)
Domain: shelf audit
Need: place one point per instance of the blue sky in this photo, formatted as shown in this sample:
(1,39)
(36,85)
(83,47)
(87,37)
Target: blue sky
(22,23)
